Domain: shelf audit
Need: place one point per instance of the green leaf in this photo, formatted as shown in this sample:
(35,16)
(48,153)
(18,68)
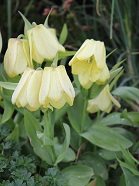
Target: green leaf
(95,162)
(106,138)
(14,134)
(116,79)
(111,52)
(129,161)
(8,85)
(27,23)
(126,133)
(130,179)
(109,155)
(114,119)
(130,167)
(8,111)
(46,20)
(122,180)
(123,118)
(100,181)
(69,155)
(117,65)
(127,93)
(78,175)
(46,140)
(65,54)
(64,34)
(65,145)
(31,126)
(114,72)
(75,113)
(131,116)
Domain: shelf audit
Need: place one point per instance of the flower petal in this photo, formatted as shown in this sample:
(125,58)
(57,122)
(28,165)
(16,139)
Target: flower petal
(45,43)
(44,89)
(19,96)
(21,60)
(100,54)
(66,84)
(34,89)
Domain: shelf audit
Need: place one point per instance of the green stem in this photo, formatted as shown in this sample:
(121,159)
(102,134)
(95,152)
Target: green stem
(111,24)
(85,95)
(55,61)
(49,124)
(49,128)
(9,18)
(98,115)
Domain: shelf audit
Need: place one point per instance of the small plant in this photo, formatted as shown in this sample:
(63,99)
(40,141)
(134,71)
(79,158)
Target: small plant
(59,128)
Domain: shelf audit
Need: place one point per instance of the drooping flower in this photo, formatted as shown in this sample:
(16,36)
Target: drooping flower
(89,63)
(102,102)
(56,88)
(49,88)
(27,91)
(43,44)
(16,58)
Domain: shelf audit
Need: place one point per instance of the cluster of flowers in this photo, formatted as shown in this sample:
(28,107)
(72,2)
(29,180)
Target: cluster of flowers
(51,86)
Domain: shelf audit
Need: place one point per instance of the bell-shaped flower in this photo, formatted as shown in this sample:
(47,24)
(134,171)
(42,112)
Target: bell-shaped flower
(56,88)
(102,102)
(16,58)
(43,44)
(27,91)
(89,63)
(53,32)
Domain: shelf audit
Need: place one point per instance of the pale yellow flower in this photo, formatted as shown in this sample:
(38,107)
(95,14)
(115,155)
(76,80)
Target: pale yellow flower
(16,58)
(102,102)
(53,32)
(56,88)
(27,91)
(43,44)
(89,63)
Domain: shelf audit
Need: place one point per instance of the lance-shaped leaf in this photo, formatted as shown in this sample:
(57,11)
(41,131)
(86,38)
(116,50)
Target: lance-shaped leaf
(64,34)
(78,175)
(8,85)
(8,111)
(106,138)
(31,126)
(65,144)
(27,23)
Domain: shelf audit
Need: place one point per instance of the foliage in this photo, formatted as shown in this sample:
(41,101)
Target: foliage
(19,169)
(69,146)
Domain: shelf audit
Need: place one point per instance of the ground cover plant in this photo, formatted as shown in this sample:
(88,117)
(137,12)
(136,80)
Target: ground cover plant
(69,94)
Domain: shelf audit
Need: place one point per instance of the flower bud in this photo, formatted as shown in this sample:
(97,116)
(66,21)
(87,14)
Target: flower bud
(16,58)
(102,102)
(56,88)
(89,63)
(43,44)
